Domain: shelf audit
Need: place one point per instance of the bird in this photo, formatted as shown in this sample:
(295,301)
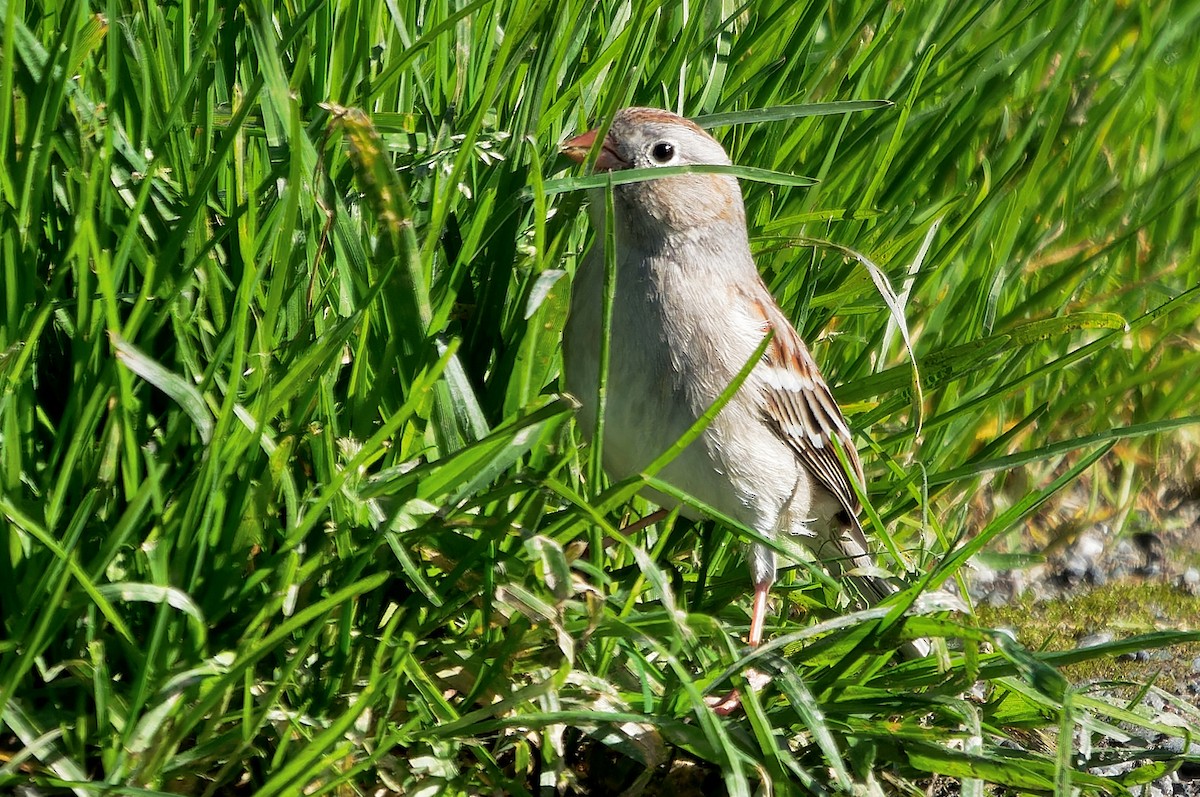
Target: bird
(689,310)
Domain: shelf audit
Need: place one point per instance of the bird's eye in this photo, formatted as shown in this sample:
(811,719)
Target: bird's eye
(663,151)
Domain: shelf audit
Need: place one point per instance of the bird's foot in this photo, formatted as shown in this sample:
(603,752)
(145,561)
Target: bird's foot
(724,706)
(730,703)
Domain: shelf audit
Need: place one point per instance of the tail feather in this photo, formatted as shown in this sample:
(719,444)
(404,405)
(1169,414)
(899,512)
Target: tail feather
(871,590)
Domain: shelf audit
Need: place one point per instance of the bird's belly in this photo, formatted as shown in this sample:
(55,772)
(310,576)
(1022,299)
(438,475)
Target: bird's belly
(640,425)
(655,393)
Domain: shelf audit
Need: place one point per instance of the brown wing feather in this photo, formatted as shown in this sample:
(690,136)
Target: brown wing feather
(800,408)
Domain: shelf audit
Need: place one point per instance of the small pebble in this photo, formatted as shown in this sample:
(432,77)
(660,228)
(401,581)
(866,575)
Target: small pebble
(1098,638)
(1189,581)
(1124,560)
(1176,744)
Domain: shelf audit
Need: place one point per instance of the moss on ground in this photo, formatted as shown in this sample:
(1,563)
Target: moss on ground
(1123,609)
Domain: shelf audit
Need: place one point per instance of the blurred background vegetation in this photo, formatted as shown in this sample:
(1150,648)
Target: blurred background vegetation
(289,500)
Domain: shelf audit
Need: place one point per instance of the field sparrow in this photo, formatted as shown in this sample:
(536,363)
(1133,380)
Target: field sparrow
(689,311)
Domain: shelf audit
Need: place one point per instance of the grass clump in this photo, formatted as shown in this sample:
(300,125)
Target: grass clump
(290,500)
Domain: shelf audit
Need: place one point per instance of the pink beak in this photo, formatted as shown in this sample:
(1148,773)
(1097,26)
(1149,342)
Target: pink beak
(577,149)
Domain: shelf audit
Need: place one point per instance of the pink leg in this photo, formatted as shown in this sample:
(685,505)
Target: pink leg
(733,701)
(639,524)
(648,520)
(759,613)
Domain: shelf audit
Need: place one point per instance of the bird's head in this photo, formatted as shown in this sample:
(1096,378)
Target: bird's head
(652,138)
